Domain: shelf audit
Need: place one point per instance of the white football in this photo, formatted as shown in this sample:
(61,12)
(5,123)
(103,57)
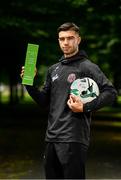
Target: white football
(86,88)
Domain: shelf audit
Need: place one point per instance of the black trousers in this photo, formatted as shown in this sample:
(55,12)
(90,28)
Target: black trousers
(65,161)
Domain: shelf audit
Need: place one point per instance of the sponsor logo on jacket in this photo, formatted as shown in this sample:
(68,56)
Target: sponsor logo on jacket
(71,77)
(55,77)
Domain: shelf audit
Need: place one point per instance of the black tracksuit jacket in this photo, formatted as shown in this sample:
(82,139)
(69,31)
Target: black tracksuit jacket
(63,124)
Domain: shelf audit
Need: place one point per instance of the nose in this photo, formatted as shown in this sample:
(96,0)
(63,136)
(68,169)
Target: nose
(65,41)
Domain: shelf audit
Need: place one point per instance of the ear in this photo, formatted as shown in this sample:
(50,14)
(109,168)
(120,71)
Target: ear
(79,39)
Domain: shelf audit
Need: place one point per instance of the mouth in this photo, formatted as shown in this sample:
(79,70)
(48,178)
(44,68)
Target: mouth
(66,48)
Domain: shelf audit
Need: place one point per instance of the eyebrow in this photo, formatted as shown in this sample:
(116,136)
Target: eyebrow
(67,37)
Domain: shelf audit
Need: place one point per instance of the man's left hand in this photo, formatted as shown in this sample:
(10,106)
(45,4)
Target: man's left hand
(75,104)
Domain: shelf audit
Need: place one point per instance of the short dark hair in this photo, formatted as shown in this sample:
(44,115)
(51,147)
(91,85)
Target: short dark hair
(69,26)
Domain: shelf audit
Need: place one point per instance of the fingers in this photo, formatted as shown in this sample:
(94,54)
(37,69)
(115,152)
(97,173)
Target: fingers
(71,100)
(74,98)
(22,72)
(69,103)
(35,72)
(75,104)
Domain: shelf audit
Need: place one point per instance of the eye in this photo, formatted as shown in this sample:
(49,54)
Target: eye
(61,39)
(70,38)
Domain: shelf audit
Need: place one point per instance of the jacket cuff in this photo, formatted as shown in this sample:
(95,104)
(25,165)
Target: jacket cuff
(86,108)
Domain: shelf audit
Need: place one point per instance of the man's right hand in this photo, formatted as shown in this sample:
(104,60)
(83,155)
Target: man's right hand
(22,72)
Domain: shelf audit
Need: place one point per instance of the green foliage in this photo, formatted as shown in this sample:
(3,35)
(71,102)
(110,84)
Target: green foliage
(77,3)
(36,21)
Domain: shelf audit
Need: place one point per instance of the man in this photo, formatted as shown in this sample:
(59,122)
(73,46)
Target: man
(68,130)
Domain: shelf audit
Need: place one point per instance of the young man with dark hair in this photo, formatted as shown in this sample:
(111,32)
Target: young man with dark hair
(68,130)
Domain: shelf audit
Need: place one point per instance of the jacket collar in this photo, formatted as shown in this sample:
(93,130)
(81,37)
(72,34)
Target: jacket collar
(79,56)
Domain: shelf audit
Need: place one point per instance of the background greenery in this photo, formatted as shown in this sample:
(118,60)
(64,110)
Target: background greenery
(32,21)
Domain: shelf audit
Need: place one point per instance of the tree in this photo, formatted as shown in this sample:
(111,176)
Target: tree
(36,22)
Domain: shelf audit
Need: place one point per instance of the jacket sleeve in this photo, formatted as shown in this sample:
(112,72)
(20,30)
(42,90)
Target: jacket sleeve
(107,94)
(41,97)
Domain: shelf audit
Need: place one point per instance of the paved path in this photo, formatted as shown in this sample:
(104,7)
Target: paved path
(20,152)
(104,158)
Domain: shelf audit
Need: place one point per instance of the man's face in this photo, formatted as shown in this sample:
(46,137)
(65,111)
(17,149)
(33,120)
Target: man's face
(69,42)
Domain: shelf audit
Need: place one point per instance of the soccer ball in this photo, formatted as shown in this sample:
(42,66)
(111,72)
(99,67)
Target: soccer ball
(85,88)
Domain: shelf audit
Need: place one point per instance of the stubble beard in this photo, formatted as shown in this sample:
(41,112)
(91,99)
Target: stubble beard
(70,54)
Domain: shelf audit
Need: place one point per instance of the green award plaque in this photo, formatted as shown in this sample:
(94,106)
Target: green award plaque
(30,64)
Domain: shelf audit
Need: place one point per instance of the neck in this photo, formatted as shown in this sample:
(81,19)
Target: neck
(70,55)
